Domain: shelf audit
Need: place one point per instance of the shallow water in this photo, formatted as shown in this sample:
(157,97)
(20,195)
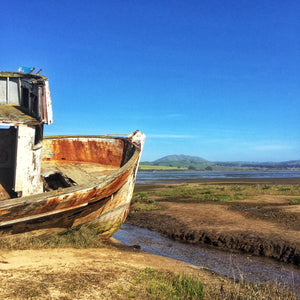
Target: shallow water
(239,266)
(169,176)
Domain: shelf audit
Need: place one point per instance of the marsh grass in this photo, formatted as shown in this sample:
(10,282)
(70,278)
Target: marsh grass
(142,202)
(85,237)
(294,201)
(212,192)
(166,285)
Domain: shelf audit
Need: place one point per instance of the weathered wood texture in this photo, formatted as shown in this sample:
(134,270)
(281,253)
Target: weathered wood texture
(13,115)
(28,163)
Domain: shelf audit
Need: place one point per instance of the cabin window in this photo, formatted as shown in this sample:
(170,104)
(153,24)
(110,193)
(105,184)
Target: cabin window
(25,98)
(38,134)
(5,139)
(34,104)
(7,156)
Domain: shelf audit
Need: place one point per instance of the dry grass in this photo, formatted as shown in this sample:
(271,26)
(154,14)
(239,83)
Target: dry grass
(86,282)
(84,237)
(96,277)
(238,291)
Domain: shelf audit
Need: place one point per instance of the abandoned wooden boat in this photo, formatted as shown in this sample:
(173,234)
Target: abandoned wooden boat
(54,183)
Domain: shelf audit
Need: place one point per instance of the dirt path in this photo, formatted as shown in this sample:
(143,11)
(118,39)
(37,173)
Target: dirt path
(265,225)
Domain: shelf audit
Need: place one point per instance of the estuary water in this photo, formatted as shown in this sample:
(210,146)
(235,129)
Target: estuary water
(166,177)
(239,266)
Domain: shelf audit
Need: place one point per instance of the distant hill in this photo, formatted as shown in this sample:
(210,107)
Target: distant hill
(198,163)
(181,158)
(179,161)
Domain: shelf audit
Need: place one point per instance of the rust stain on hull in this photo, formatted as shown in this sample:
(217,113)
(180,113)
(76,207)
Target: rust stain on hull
(104,152)
(103,203)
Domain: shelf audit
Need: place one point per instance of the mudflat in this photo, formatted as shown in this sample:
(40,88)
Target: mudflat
(255,216)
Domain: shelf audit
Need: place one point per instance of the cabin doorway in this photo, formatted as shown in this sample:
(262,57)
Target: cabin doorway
(7,160)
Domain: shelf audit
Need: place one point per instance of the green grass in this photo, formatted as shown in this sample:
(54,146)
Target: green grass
(197,193)
(266,187)
(283,189)
(295,201)
(164,285)
(141,202)
(167,285)
(142,196)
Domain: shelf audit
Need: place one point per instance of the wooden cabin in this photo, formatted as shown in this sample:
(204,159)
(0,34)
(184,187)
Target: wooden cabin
(25,106)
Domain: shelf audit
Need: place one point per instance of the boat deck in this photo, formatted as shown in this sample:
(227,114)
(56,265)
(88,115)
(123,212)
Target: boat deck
(77,172)
(65,174)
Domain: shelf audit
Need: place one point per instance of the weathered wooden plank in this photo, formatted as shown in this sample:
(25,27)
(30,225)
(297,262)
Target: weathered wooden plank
(12,115)
(77,174)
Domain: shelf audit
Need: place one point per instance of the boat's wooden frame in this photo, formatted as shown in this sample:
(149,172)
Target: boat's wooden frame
(102,203)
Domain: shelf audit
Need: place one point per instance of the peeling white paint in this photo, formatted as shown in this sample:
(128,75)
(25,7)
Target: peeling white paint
(28,163)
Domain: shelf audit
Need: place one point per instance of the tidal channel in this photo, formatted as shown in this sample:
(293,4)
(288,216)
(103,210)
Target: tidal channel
(238,266)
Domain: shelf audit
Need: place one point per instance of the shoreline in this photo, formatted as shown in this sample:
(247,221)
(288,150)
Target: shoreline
(269,180)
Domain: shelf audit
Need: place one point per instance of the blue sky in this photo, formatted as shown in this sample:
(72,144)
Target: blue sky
(217,79)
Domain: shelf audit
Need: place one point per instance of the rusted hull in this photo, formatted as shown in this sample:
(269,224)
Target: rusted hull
(102,202)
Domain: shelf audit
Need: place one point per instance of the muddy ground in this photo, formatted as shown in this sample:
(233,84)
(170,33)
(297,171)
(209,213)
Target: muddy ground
(264,225)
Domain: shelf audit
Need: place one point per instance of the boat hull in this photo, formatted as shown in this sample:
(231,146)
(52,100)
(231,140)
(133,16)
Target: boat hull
(102,203)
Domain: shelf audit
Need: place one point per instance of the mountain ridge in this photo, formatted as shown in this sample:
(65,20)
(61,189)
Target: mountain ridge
(181,161)
(180,157)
